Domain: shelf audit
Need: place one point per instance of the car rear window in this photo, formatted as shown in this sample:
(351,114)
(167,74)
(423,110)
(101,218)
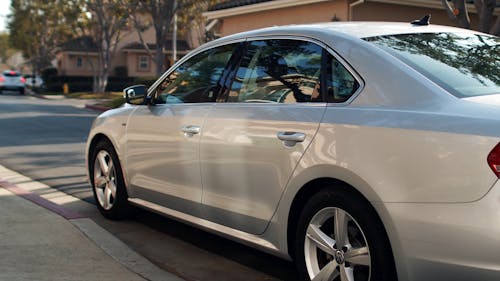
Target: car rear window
(464,64)
(11,74)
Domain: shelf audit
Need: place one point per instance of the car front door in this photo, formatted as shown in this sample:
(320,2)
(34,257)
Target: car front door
(163,138)
(252,142)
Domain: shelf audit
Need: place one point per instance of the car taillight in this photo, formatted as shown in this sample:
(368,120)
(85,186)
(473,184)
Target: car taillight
(23,80)
(494,160)
(2,79)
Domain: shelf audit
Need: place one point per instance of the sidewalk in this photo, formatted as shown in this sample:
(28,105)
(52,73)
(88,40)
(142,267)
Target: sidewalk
(39,245)
(45,241)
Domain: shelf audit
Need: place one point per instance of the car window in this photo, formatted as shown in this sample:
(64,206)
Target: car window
(341,84)
(462,63)
(278,71)
(196,80)
(11,74)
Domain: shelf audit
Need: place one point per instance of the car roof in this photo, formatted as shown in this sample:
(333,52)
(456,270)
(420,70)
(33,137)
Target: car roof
(355,29)
(371,29)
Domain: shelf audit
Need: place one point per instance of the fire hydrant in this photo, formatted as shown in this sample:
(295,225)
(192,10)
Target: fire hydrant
(65,88)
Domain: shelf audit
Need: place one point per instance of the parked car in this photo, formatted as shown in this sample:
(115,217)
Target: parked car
(361,150)
(13,81)
(33,81)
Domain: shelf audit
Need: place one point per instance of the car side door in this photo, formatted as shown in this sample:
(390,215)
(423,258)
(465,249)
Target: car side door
(252,142)
(163,138)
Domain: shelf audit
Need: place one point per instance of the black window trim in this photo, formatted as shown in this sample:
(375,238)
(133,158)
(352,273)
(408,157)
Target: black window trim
(323,68)
(224,90)
(159,80)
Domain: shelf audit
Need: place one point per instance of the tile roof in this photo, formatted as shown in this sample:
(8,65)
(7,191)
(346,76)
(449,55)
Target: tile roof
(234,3)
(80,44)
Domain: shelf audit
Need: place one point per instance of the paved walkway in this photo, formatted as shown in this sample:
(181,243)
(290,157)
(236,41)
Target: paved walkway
(40,240)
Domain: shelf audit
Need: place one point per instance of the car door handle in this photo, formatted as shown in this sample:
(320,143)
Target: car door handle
(190,130)
(291,137)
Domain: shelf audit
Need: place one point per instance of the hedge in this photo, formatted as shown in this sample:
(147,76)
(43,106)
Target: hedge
(84,83)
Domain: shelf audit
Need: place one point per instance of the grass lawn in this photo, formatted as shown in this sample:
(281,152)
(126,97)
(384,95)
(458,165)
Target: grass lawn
(90,95)
(108,99)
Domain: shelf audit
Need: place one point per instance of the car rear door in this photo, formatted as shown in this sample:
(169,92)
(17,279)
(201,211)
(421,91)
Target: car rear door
(163,139)
(252,142)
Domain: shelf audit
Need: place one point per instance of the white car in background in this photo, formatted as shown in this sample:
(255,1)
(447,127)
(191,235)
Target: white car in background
(13,81)
(33,81)
(361,150)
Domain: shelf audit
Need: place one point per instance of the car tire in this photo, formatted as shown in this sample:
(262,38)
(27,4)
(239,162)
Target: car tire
(364,251)
(21,91)
(107,182)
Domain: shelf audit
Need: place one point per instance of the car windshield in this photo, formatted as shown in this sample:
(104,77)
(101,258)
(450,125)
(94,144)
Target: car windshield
(464,64)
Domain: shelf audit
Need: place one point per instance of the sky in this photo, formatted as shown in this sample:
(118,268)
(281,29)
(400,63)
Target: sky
(4,10)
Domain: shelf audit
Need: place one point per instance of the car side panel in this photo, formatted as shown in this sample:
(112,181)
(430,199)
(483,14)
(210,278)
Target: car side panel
(404,157)
(112,125)
(406,161)
(162,161)
(245,167)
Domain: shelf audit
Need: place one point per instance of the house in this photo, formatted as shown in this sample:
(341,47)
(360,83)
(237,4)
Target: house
(78,57)
(236,16)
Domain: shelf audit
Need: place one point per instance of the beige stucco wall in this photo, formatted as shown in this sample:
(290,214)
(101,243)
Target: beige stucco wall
(325,11)
(318,12)
(372,11)
(133,66)
(68,64)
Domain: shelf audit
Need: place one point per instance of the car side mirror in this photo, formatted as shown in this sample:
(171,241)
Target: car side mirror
(135,94)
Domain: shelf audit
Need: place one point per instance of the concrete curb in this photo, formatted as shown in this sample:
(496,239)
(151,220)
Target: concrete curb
(121,252)
(33,94)
(27,188)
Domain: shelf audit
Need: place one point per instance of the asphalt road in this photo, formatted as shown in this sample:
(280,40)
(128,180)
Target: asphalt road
(45,139)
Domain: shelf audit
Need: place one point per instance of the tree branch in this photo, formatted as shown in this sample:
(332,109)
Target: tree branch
(449,10)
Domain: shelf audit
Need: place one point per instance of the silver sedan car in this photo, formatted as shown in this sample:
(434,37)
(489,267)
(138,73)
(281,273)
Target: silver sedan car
(361,150)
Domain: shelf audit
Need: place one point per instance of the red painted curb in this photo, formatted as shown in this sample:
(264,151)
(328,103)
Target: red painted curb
(97,107)
(37,199)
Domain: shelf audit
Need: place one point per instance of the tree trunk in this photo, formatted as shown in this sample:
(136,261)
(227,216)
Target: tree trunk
(102,83)
(463,19)
(95,84)
(486,15)
(458,14)
(159,59)
(495,30)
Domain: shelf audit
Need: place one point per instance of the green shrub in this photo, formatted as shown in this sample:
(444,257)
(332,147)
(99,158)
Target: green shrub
(121,71)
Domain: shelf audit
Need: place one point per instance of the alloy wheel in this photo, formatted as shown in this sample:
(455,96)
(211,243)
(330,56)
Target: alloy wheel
(336,248)
(105,180)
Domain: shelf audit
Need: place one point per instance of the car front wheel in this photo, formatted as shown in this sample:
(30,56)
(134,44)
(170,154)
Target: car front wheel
(107,181)
(339,237)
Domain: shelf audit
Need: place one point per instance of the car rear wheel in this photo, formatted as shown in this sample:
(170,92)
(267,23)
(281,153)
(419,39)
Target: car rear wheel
(339,237)
(107,181)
